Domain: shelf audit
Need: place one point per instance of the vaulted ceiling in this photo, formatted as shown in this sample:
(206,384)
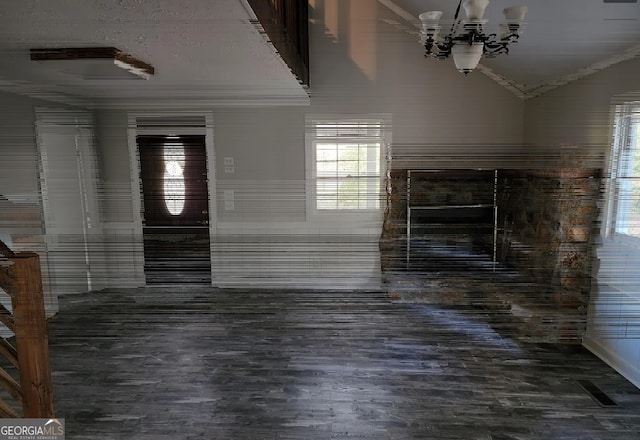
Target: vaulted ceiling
(212,52)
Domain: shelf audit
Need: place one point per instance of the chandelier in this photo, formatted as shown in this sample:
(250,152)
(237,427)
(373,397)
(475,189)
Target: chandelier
(467,41)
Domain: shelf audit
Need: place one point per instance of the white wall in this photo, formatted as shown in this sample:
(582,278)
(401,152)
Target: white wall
(613,331)
(122,237)
(576,119)
(21,220)
(359,65)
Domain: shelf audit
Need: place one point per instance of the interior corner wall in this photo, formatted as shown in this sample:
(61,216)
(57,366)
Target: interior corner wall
(574,120)
(572,125)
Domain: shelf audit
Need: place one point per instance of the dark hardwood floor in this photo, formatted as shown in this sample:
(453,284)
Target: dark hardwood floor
(202,363)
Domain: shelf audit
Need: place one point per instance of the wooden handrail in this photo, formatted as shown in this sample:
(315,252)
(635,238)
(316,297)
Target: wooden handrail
(22,280)
(32,339)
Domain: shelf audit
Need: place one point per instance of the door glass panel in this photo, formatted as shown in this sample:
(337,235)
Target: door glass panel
(174,188)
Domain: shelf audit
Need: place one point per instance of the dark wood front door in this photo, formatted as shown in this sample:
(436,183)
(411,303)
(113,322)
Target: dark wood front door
(173,171)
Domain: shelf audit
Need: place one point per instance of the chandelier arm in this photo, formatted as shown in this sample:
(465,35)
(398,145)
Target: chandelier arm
(437,49)
(454,28)
(470,38)
(444,48)
(510,38)
(456,21)
(513,38)
(457,10)
(428,46)
(493,48)
(428,51)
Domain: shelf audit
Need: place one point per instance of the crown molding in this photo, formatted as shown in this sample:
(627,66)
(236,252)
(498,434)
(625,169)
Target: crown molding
(201,103)
(40,93)
(539,89)
(514,87)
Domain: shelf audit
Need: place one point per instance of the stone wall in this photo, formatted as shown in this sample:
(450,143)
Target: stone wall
(394,229)
(547,222)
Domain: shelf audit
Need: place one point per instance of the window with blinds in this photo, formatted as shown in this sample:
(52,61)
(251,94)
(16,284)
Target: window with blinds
(624,196)
(347,164)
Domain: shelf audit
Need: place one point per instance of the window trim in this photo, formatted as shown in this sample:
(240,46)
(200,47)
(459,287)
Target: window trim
(311,167)
(619,137)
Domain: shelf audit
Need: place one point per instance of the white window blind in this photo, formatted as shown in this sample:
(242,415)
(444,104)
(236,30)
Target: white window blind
(624,214)
(347,170)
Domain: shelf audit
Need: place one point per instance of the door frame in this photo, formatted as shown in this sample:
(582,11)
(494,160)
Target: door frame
(134,161)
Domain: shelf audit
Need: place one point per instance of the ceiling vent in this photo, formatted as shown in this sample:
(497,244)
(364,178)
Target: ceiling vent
(94,63)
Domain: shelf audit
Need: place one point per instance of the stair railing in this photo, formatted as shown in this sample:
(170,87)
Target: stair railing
(21,279)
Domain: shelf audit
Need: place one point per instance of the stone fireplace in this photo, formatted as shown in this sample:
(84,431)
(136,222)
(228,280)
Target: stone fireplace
(542,232)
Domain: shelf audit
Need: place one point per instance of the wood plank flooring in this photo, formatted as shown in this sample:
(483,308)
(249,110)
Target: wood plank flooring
(203,363)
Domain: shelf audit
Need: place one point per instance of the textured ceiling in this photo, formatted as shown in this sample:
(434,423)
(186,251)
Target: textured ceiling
(209,52)
(201,50)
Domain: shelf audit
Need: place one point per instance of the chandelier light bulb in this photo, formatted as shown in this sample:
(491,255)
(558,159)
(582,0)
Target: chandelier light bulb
(430,26)
(467,56)
(431,16)
(515,13)
(475,8)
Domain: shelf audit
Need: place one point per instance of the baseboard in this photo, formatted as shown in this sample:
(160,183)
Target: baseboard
(308,283)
